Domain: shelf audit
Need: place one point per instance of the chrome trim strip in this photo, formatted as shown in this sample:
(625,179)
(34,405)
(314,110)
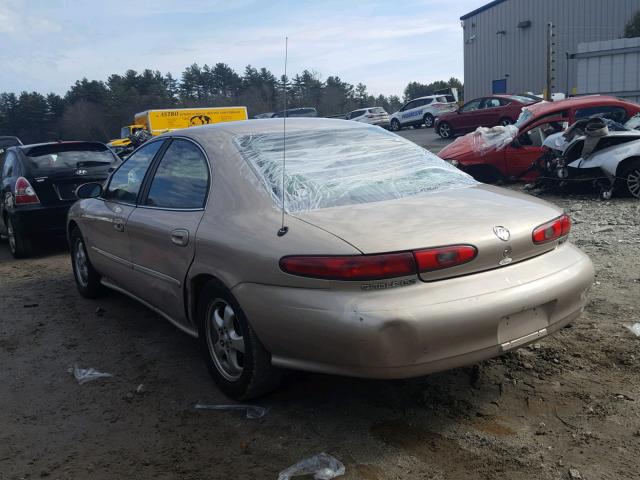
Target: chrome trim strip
(158,275)
(113,257)
(185,329)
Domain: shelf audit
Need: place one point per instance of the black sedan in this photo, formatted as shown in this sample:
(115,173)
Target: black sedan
(38,185)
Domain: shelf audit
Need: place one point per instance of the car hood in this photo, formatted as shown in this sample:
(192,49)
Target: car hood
(457,216)
(460,147)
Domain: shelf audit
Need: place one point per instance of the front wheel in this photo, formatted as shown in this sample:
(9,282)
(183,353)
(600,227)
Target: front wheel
(445,130)
(395,125)
(19,244)
(237,361)
(87,278)
(428,120)
(630,178)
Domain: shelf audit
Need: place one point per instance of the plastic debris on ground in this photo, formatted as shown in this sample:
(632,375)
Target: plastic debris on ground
(635,329)
(252,411)
(84,375)
(484,139)
(322,466)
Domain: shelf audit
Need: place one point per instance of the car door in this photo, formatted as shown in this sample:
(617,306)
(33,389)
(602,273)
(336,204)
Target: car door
(408,112)
(163,227)
(468,115)
(520,155)
(105,219)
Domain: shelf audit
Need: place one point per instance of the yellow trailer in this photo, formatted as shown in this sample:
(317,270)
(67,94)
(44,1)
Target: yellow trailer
(159,121)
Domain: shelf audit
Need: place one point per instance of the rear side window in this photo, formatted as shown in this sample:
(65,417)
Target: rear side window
(182,178)
(126,181)
(617,114)
(51,158)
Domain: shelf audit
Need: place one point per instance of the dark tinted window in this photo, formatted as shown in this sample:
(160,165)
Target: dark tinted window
(617,114)
(67,156)
(409,106)
(126,181)
(471,106)
(182,178)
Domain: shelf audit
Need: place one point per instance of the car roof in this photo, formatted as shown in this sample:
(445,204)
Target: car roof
(264,125)
(543,108)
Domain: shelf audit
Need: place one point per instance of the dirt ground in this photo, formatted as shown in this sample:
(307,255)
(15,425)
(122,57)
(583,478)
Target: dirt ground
(567,407)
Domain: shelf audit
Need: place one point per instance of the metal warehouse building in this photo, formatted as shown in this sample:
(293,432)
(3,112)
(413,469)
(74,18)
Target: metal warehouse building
(505,42)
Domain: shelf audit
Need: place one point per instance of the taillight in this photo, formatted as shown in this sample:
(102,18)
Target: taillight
(25,194)
(377,267)
(548,232)
(444,257)
(352,267)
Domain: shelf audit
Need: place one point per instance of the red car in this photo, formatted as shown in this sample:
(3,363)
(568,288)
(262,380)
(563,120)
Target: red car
(482,112)
(535,123)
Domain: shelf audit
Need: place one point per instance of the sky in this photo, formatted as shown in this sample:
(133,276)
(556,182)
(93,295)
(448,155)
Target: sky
(46,45)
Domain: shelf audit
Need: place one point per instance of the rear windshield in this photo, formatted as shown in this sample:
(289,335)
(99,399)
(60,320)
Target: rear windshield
(336,167)
(47,158)
(446,99)
(522,99)
(377,111)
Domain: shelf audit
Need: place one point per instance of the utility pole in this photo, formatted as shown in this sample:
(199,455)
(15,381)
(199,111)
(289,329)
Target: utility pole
(550,61)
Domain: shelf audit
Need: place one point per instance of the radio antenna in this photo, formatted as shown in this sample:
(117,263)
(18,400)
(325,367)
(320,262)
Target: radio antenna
(284,229)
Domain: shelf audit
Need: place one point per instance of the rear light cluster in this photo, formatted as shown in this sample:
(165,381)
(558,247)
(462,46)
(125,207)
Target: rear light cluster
(553,230)
(25,194)
(376,267)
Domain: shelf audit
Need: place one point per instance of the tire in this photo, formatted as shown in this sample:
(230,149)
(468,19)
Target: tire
(505,121)
(19,245)
(428,120)
(395,125)
(630,178)
(237,361)
(87,278)
(445,130)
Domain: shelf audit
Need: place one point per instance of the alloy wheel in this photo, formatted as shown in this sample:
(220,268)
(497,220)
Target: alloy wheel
(80,263)
(395,125)
(224,340)
(428,121)
(445,130)
(633,182)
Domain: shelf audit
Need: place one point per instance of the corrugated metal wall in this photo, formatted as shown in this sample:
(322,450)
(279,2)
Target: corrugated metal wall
(519,54)
(611,66)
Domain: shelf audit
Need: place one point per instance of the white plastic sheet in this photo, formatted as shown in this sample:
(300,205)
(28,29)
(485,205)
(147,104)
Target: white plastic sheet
(335,167)
(322,466)
(484,139)
(84,375)
(251,411)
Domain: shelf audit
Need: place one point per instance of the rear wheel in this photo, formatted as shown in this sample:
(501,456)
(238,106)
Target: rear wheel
(428,120)
(19,244)
(630,178)
(237,361)
(395,125)
(445,130)
(87,278)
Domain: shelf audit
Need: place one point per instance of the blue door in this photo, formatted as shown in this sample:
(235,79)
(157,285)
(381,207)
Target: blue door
(499,86)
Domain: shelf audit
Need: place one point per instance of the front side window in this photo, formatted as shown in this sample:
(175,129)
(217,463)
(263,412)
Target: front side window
(335,167)
(409,106)
(471,106)
(182,178)
(126,181)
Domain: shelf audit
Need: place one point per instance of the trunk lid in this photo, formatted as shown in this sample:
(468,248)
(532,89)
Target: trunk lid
(60,186)
(450,217)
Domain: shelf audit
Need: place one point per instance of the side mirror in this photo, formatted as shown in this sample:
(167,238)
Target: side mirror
(89,190)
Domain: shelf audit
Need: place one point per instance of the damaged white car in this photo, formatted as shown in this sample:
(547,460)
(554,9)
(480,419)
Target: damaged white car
(597,150)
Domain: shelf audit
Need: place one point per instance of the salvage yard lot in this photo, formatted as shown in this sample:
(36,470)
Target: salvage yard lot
(571,401)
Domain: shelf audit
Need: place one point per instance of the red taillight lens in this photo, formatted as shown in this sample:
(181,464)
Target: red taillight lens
(552,230)
(354,267)
(25,194)
(444,257)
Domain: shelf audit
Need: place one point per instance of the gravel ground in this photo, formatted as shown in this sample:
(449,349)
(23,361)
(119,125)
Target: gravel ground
(567,407)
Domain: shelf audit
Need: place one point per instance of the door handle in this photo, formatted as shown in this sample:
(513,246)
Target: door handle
(118,225)
(180,237)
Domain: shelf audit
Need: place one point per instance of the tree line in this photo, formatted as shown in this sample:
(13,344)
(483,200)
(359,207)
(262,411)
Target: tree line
(95,110)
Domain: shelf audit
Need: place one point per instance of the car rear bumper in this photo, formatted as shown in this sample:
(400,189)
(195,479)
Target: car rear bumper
(421,328)
(41,219)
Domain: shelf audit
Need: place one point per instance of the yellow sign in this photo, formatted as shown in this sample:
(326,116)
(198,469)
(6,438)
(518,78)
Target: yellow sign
(160,121)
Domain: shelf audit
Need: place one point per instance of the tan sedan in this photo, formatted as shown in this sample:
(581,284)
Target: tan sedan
(388,262)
